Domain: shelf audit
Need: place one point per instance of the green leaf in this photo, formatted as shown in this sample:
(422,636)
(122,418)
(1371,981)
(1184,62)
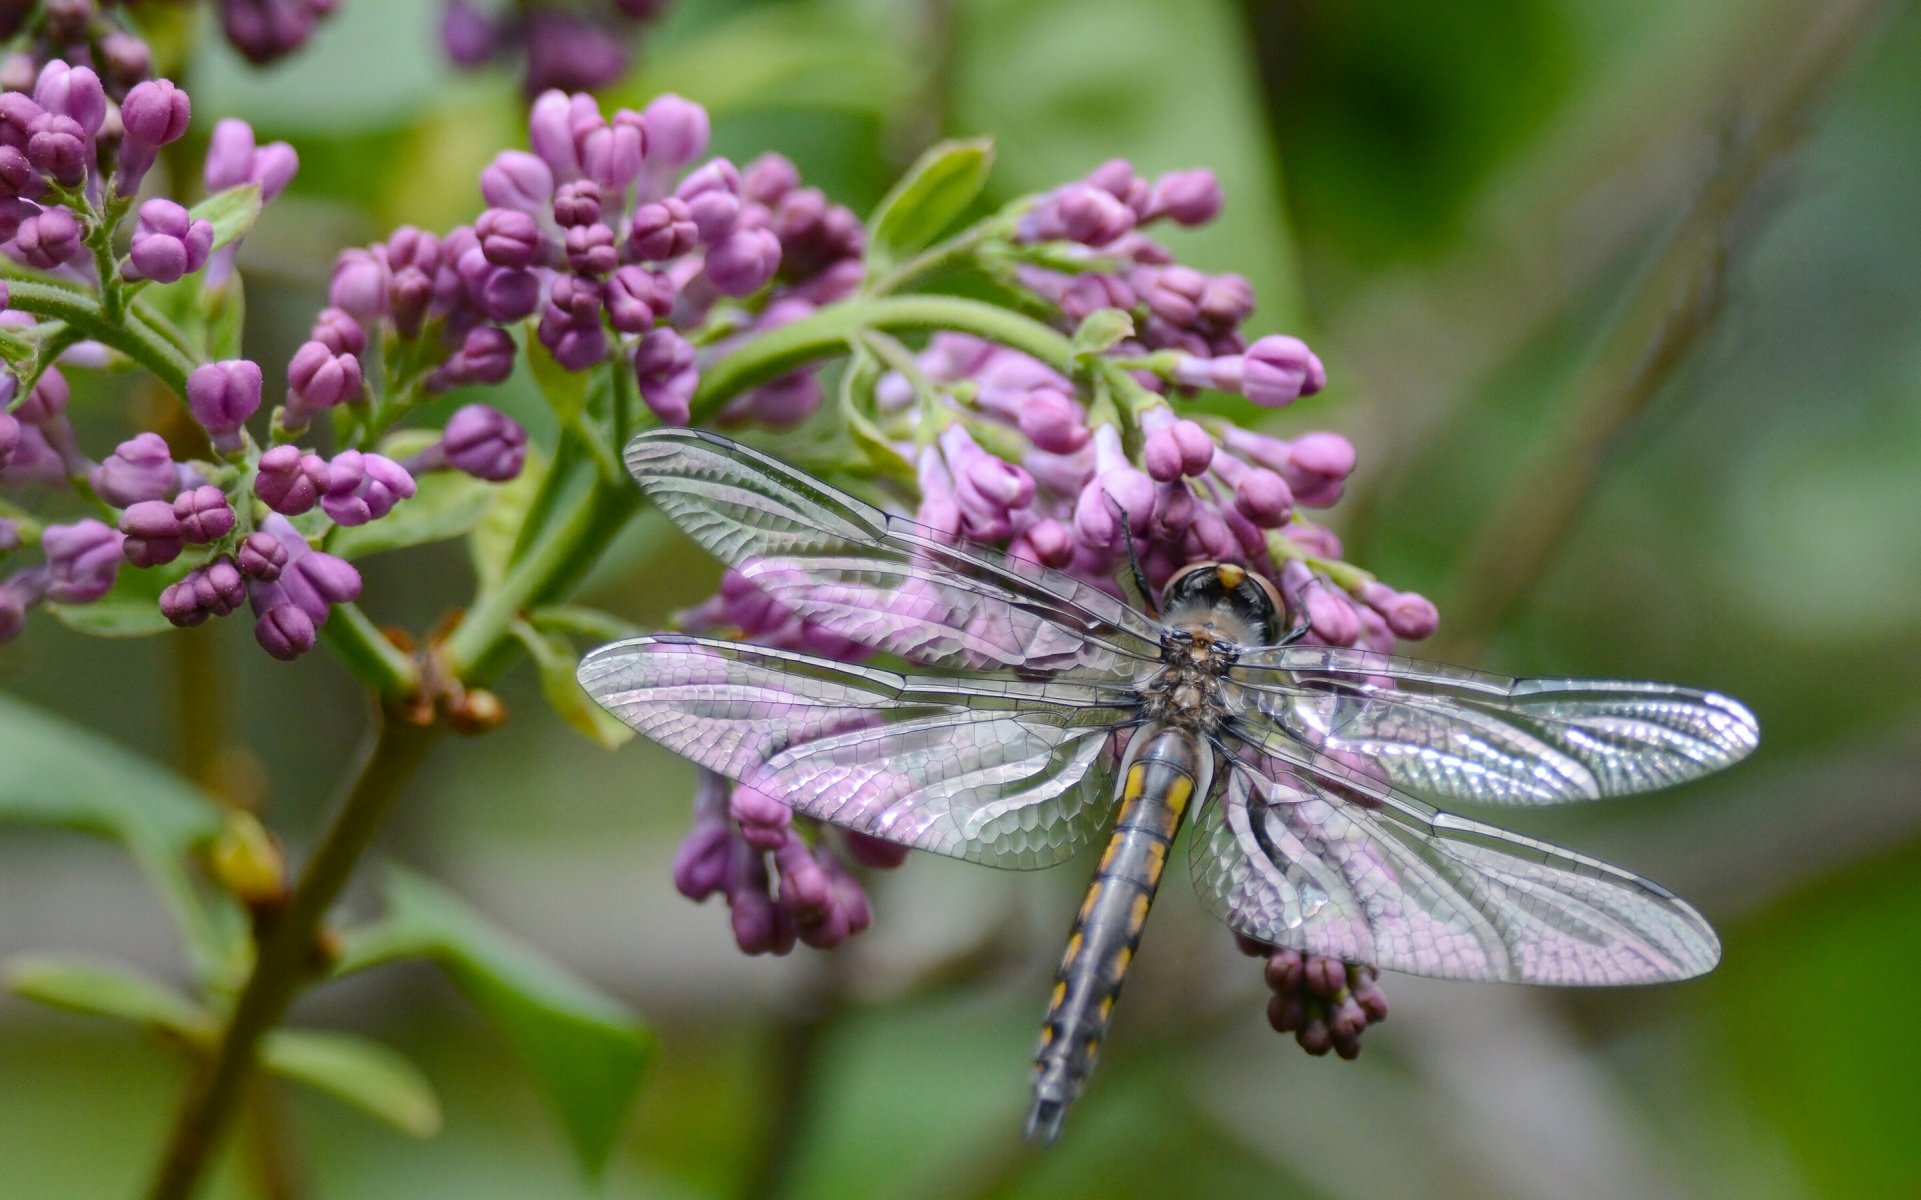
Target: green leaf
(1103,329)
(105,990)
(586,622)
(491,544)
(60,775)
(373,1078)
(232,212)
(131,607)
(932,195)
(557,663)
(446,504)
(568,394)
(224,311)
(588,1051)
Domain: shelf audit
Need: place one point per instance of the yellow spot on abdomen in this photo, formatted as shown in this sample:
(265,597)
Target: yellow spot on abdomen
(1073,950)
(1060,994)
(1093,894)
(1137,915)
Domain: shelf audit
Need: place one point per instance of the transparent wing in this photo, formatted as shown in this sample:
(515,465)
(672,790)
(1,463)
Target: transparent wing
(1451,734)
(1302,858)
(983,769)
(878,579)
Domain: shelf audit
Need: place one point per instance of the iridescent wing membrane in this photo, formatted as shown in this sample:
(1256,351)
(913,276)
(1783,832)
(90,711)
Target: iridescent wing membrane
(1322,836)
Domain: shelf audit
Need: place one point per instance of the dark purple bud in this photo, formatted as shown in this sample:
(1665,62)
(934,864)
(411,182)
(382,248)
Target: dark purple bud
(662,230)
(763,820)
(1277,370)
(1186,197)
(204,514)
(156,113)
(485,443)
(18,112)
(262,557)
(769,178)
(590,249)
(73,92)
(57,146)
(577,203)
(16,173)
(517,180)
(9,440)
(167,243)
(486,355)
(140,468)
(508,237)
(566,52)
(363,487)
(317,380)
(359,284)
(506,295)
(82,560)
(336,329)
(127,59)
(331,580)
(264,30)
(677,130)
(875,853)
(466,34)
(743,263)
(413,247)
(285,632)
(410,294)
(210,591)
(48,239)
(637,298)
(290,481)
(66,20)
(664,368)
(153,535)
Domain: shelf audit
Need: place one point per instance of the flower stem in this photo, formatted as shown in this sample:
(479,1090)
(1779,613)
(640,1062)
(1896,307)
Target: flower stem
(287,957)
(367,655)
(132,333)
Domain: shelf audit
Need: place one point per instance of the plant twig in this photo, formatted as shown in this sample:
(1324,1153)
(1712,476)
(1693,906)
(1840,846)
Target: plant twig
(288,957)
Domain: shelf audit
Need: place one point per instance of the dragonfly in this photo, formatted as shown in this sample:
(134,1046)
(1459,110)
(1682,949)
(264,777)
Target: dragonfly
(1051,712)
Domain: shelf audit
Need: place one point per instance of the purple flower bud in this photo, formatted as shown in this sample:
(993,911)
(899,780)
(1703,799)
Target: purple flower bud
(517,180)
(1089,215)
(264,30)
(229,155)
(317,380)
(700,862)
(153,535)
(662,230)
(1407,614)
(363,487)
(503,294)
(1328,612)
(508,237)
(262,557)
(290,481)
(1186,197)
(9,440)
(1227,301)
(590,249)
(47,402)
(577,203)
(566,52)
(485,443)
(82,560)
(1263,498)
(466,35)
(610,154)
(1052,421)
(1317,467)
(204,514)
(16,593)
(210,591)
(16,175)
(57,146)
(486,355)
(285,632)
(769,178)
(763,820)
(156,113)
(875,853)
(338,331)
(127,59)
(550,131)
(167,243)
(780,402)
(48,238)
(413,247)
(1118,179)
(72,92)
(359,284)
(677,130)
(140,468)
(664,369)
(1047,542)
(1277,370)
(636,298)
(1176,449)
(744,263)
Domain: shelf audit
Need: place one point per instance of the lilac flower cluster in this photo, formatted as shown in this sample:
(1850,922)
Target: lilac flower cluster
(573,47)
(220,525)
(1325,1003)
(97,34)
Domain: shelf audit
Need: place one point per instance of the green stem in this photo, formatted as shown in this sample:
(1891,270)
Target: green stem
(287,958)
(132,334)
(367,655)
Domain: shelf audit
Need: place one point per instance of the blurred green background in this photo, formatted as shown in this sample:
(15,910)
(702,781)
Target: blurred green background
(1621,301)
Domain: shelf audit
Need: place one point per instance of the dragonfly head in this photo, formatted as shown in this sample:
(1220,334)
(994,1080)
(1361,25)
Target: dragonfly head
(1214,587)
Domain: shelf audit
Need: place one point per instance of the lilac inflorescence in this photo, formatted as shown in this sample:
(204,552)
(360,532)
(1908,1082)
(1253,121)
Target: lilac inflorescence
(573,47)
(1325,1003)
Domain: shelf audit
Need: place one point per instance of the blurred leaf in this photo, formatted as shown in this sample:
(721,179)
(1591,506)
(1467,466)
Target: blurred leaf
(373,1078)
(446,504)
(557,663)
(492,542)
(61,775)
(232,212)
(1103,329)
(224,311)
(565,391)
(588,1051)
(131,607)
(105,990)
(584,621)
(932,195)
(779,54)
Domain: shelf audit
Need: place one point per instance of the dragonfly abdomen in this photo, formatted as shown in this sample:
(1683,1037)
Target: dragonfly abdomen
(1160,781)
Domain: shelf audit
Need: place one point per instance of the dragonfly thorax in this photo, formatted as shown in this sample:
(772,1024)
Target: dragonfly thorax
(1186,691)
